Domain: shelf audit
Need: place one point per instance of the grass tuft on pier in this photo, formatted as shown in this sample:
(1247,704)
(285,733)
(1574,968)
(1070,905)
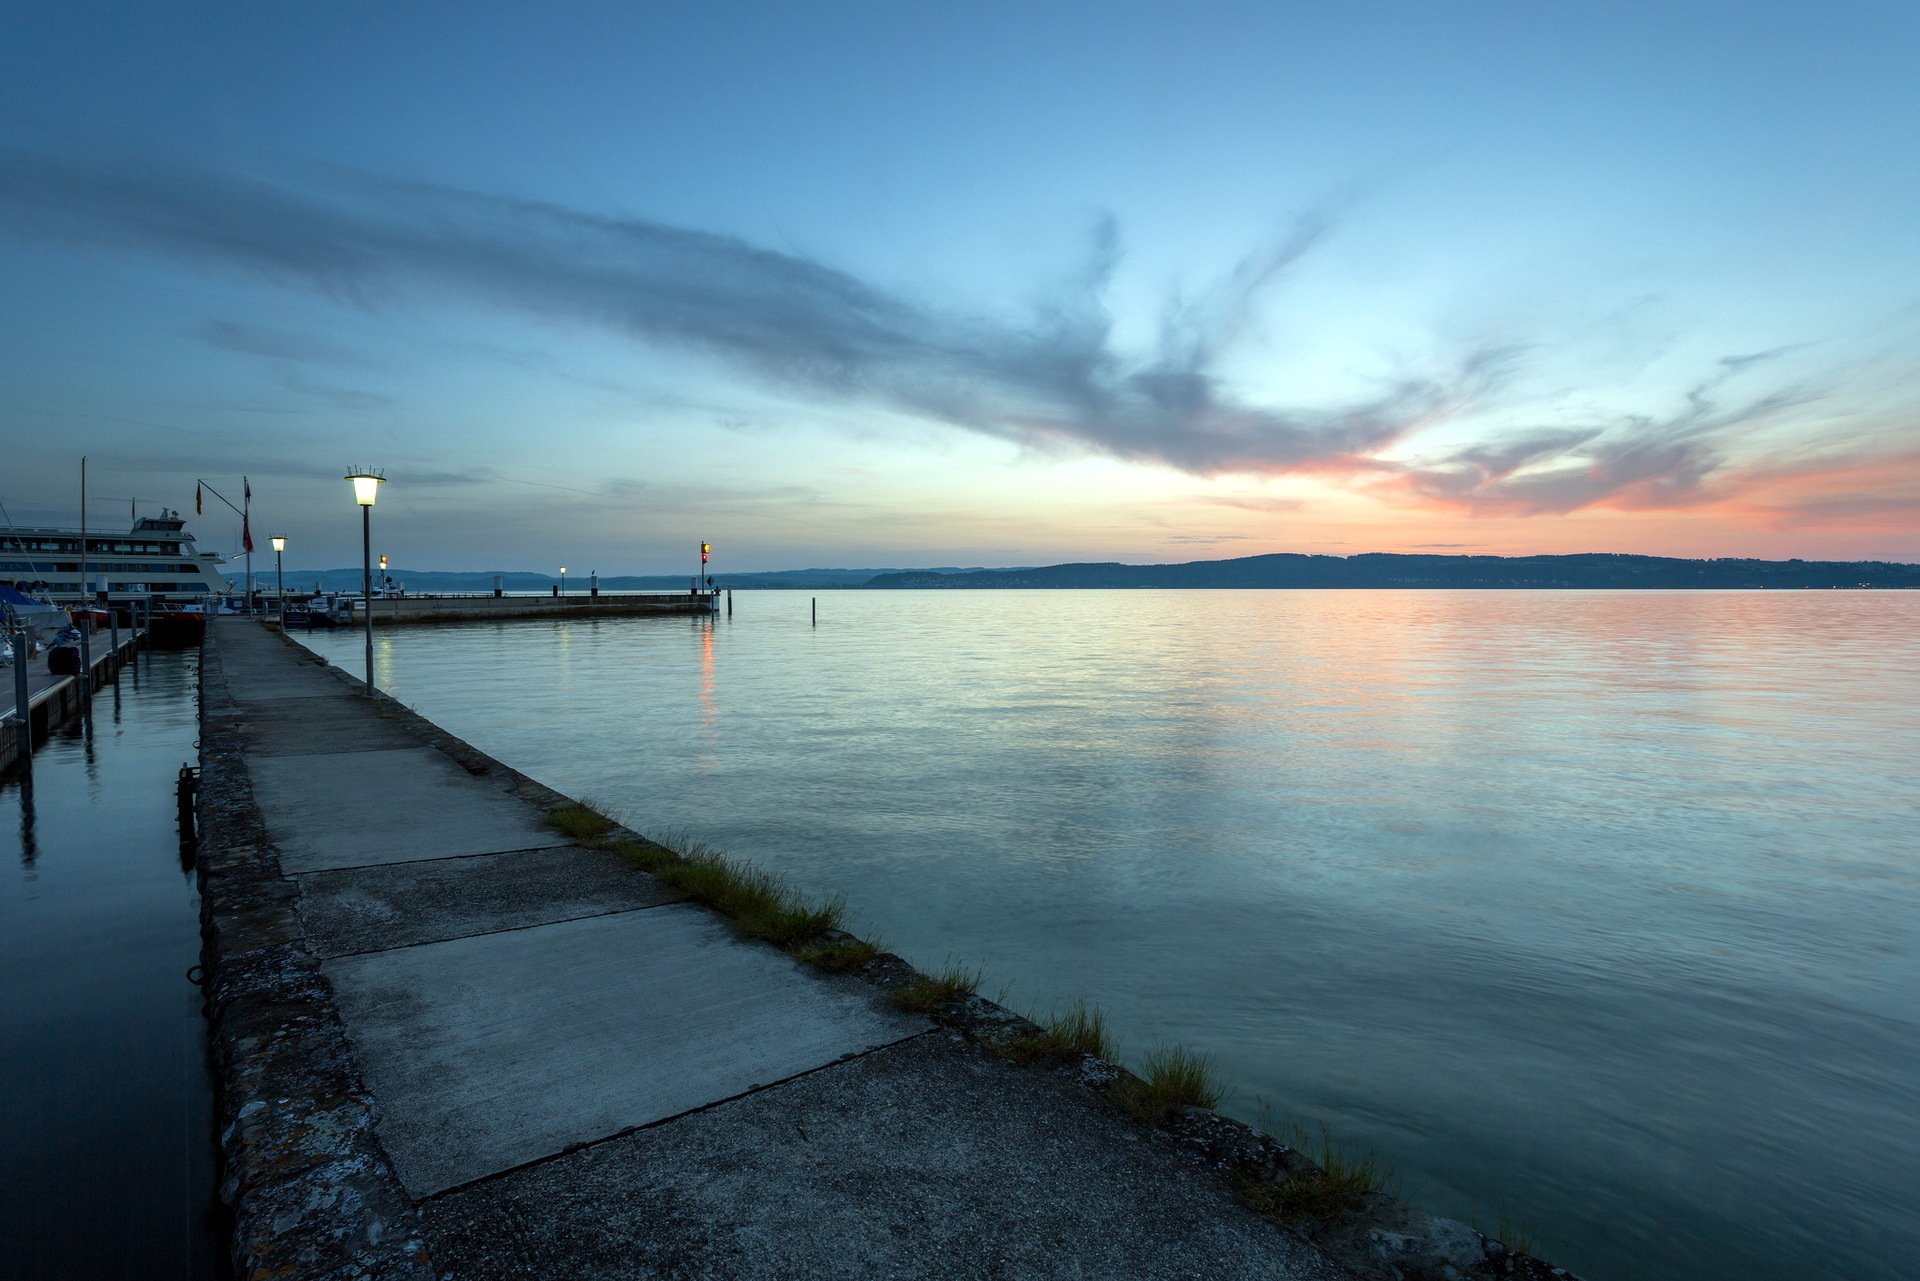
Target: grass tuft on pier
(837,956)
(759,903)
(1172,1078)
(931,991)
(580,822)
(1078,1030)
(1340,1184)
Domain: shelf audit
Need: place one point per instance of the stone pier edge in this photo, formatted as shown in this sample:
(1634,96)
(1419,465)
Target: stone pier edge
(311,1190)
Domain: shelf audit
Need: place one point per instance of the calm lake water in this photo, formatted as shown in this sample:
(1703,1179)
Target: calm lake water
(1594,912)
(106,1104)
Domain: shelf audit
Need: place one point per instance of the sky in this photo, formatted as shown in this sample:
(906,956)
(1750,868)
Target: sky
(915,284)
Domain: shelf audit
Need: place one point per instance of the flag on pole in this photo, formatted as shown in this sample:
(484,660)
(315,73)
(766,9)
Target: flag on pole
(198,510)
(246,534)
(246,490)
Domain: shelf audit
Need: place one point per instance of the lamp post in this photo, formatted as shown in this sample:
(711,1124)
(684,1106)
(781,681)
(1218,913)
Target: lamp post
(279,542)
(563,580)
(383,573)
(366,487)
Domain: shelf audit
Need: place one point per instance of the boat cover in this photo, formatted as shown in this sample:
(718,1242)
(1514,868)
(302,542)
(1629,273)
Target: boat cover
(41,620)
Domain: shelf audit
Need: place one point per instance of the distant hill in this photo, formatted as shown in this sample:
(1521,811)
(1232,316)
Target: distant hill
(1386,569)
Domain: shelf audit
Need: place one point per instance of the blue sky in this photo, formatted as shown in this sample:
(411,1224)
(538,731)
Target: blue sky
(924,284)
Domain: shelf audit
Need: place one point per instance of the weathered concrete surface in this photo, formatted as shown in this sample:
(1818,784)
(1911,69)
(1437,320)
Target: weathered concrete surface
(491,1051)
(348,806)
(928,1159)
(372,908)
(484,1081)
(312,1192)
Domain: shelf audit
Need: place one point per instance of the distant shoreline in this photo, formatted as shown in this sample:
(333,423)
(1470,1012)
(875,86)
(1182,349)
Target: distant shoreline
(1373,570)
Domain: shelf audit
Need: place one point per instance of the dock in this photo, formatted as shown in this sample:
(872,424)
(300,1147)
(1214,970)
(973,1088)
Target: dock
(400,610)
(53,699)
(449,1041)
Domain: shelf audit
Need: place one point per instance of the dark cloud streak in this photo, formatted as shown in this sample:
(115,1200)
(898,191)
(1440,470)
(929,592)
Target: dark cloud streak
(1055,381)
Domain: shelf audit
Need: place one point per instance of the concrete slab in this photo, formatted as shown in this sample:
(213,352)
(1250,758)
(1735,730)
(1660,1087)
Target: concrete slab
(355,809)
(315,726)
(262,668)
(930,1159)
(373,908)
(492,1051)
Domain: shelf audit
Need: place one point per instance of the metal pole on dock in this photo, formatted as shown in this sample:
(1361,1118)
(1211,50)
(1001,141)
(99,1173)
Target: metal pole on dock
(366,582)
(366,488)
(22,717)
(279,542)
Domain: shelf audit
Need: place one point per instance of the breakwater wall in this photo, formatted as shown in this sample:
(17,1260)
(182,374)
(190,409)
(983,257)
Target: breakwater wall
(54,700)
(401,610)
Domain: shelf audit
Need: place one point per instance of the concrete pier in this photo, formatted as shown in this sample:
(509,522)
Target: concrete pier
(577,604)
(450,1043)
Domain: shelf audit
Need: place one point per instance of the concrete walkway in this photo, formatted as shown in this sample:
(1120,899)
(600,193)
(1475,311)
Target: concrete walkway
(567,1072)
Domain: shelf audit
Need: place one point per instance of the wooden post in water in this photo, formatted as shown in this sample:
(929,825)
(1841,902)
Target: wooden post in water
(816,611)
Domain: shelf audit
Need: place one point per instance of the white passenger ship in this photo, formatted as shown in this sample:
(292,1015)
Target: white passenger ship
(154,562)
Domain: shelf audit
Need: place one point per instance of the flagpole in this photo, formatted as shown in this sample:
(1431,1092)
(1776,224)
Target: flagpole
(246,530)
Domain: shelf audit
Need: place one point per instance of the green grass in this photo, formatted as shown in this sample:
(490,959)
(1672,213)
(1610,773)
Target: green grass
(837,956)
(1172,1078)
(760,905)
(1080,1030)
(934,990)
(580,822)
(1340,1184)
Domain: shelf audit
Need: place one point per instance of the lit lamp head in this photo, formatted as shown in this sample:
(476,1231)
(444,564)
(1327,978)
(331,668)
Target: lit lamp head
(366,486)
(383,562)
(279,542)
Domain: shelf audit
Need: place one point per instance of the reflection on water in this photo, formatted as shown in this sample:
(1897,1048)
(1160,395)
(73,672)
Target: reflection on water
(106,1109)
(1590,910)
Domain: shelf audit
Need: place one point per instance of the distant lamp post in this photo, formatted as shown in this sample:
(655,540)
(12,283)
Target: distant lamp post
(384,580)
(563,580)
(366,487)
(279,542)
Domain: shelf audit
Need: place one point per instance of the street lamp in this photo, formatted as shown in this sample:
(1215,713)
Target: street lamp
(366,487)
(383,574)
(279,542)
(563,580)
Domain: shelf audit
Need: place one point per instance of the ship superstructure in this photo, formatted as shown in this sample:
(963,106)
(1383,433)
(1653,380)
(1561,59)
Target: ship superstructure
(154,561)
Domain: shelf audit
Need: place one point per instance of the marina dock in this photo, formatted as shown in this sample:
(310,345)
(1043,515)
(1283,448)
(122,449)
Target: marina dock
(51,697)
(450,1041)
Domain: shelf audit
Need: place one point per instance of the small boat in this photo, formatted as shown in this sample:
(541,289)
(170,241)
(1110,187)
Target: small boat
(176,628)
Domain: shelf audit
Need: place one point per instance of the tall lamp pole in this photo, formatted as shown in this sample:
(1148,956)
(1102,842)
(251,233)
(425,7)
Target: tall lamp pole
(279,542)
(563,580)
(366,487)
